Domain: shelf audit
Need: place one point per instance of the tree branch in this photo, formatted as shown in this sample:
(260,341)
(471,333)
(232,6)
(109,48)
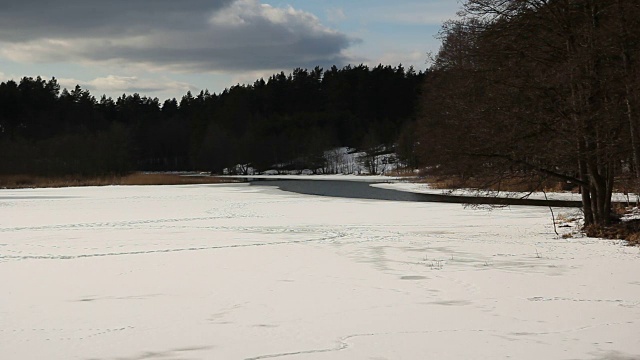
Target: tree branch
(542,170)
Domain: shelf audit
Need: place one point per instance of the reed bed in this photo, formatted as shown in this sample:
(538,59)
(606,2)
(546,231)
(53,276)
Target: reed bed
(139,178)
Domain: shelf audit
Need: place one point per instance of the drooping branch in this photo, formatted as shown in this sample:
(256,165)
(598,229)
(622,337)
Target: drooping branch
(533,167)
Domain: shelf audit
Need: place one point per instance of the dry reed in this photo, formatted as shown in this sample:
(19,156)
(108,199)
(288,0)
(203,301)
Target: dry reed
(32,181)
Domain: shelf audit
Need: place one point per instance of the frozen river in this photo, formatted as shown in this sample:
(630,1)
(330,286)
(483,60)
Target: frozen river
(350,189)
(253,272)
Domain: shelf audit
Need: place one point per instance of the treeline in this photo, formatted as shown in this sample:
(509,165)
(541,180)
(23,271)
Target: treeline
(286,121)
(536,89)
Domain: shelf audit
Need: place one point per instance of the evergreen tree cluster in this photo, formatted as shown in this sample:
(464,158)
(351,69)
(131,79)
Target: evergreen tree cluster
(286,120)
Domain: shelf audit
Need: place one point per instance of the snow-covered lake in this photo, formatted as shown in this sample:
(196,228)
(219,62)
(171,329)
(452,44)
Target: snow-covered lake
(249,272)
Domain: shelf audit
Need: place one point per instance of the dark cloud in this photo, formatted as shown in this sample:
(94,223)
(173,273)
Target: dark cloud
(34,19)
(194,35)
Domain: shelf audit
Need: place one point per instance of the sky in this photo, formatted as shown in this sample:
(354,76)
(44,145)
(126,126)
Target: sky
(164,48)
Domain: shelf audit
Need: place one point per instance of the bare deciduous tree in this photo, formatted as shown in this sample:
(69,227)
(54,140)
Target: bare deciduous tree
(523,87)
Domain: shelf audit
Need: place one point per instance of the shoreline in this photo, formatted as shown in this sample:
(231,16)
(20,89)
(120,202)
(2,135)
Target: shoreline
(365,190)
(13,182)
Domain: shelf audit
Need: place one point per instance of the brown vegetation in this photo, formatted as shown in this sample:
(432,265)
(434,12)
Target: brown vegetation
(32,181)
(523,184)
(618,229)
(625,230)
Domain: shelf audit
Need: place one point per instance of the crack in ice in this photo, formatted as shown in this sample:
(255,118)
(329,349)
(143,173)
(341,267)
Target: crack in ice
(141,252)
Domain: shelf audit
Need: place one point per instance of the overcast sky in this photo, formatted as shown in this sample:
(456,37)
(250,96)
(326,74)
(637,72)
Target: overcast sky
(163,48)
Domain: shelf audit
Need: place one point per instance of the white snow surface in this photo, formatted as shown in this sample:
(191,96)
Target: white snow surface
(245,272)
(423,188)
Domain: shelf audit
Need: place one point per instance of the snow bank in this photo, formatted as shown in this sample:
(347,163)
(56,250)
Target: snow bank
(343,160)
(566,196)
(362,178)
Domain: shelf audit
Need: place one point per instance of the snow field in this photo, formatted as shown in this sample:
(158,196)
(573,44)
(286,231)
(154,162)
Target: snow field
(244,272)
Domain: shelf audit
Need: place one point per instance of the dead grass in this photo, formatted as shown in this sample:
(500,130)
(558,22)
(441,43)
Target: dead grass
(172,179)
(437,182)
(564,218)
(625,230)
(524,184)
(31,181)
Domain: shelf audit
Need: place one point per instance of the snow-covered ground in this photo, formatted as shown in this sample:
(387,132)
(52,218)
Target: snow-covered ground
(245,272)
(382,179)
(342,160)
(422,188)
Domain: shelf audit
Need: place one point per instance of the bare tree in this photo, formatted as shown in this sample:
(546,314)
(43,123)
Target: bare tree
(524,87)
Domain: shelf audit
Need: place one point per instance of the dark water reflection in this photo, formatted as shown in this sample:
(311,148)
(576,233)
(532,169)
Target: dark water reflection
(363,190)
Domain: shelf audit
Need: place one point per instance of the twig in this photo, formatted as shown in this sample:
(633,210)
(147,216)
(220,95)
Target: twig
(553,217)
